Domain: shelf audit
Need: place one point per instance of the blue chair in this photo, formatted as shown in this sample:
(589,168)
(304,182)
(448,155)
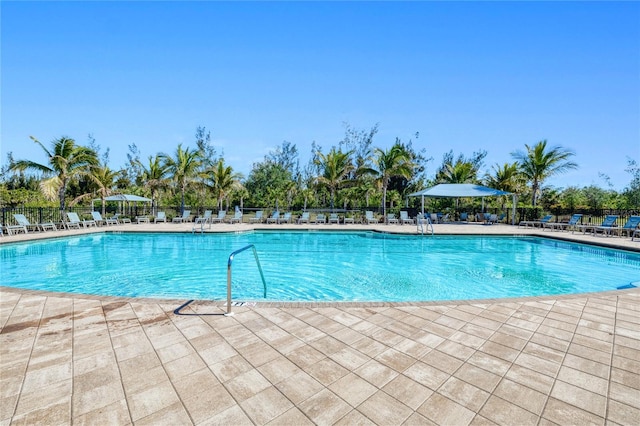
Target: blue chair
(573,221)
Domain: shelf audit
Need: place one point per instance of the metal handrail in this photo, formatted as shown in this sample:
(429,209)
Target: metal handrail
(231,256)
(421,220)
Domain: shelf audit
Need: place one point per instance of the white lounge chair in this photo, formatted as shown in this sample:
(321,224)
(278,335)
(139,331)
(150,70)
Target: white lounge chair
(221,215)
(23,221)
(304,218)
(334,218)
(573,221)
(275,216)
(236,218)
(286,218)
(607,223)
(119,218)
(186,217)
(97,216)
(369,218)
(391,219)
(257,218)
(75,222)
(160,217)
(321,218)
(405,219)
(15,229)
(535,223)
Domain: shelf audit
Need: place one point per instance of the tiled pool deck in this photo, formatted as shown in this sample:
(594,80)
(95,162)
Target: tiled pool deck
(69,359)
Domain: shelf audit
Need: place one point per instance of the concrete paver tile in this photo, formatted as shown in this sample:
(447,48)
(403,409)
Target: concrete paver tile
(464,393)
(503,412)
(114,413)
(247,385)
(233,415)
(562,413)
(150,400)
(353,389)
(383,409)
(443,411)
(410,392)
(580,398)
(355,418)
(266,405)
(299,387)
(324,407)
(204,404)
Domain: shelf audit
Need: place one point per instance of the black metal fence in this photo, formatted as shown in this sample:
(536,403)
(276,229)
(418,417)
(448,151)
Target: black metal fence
(53,214)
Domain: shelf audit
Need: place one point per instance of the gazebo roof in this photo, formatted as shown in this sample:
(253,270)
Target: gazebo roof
(458,190)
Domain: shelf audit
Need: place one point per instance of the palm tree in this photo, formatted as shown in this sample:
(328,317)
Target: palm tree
(395,162)
(103,179)
(183,169)
(223,180)
(154,176)
(66,161)
(335,168)
(538,164)
(459,172)
(505,178)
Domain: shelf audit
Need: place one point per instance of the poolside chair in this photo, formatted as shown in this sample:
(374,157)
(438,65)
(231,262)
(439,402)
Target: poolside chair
(635,234)
(205,218)
(119,218)
(24,222)
(369,218)
(321,218)
(97,216)
(464,217)
(629,228)
(274,217)
(573,221)
(607,223)
(186,217)
(236,218)
(75,222)
(535,223)
(391,219)
(257,218)
(286,218)
(220,218)
(404,218)
(334,218)
(160,217)
(304,218)
(14,229)
(434,218)
(349,219)
(493,218)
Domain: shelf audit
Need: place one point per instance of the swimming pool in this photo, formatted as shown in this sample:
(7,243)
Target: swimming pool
(316,266)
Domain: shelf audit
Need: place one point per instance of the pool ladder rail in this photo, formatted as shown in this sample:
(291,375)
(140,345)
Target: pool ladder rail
(229,274)
(423,222)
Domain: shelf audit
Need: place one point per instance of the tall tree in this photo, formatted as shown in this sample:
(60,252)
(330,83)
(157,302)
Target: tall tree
(335,168)
(539,163)
(462,170)
(223,180)
(395,161)
(183,168)
(153,175)
(102,180)
(66,161)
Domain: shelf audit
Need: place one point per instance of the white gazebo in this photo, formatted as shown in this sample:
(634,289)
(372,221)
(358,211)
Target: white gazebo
(122,198)
(462,190)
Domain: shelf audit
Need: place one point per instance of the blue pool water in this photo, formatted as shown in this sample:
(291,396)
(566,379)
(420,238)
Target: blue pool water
(316,266)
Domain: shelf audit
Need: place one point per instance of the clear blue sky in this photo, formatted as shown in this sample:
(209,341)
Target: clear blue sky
(466,76)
